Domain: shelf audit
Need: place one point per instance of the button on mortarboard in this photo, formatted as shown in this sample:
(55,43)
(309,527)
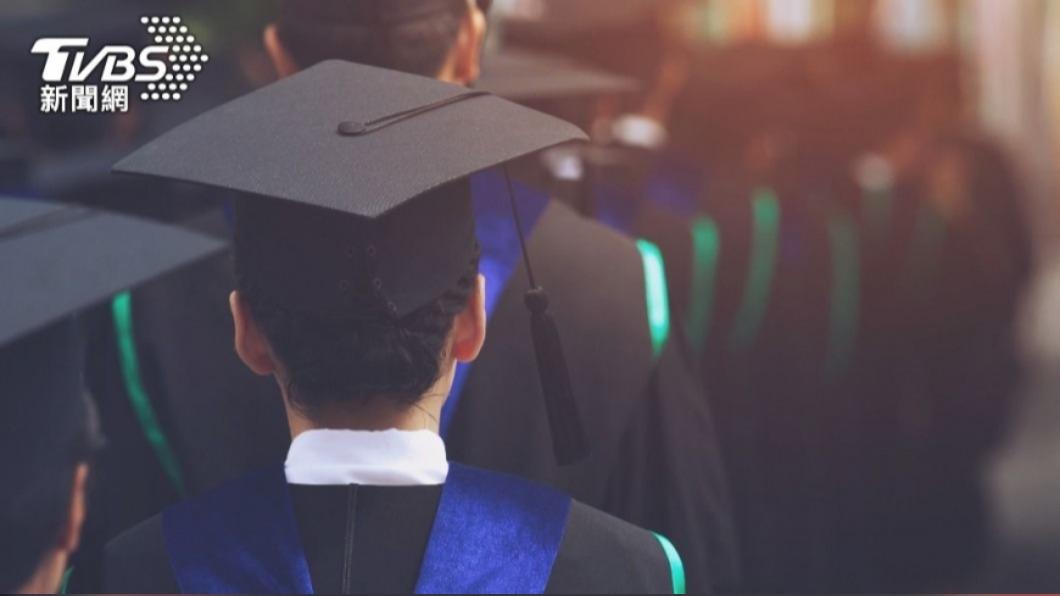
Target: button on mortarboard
(352,128)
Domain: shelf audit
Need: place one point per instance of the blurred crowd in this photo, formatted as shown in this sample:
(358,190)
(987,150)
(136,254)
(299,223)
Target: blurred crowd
(846,252)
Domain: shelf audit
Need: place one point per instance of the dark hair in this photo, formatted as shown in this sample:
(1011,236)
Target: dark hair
(417,46)
(33,517)
(362,355)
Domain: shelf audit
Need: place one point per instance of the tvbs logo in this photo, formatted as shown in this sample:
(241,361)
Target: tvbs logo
(78,79)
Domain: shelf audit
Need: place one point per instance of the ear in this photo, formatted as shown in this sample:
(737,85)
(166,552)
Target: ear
(281,60)
(469,327)
(468,49)
(71,532)
(250,343)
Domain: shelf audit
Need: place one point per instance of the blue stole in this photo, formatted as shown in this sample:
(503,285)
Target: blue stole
(499,243)
(492,533)
(673,185)
(676,184)
(616,207)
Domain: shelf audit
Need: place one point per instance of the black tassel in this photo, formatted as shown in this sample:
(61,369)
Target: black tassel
(569,444)
(568,437)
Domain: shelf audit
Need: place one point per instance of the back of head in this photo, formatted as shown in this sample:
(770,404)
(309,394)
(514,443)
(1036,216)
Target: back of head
(320,299)
(45,432)
(413,36)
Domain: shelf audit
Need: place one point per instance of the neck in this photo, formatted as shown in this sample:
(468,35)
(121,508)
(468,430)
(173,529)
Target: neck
(379,413)
(447,73)
(48,577)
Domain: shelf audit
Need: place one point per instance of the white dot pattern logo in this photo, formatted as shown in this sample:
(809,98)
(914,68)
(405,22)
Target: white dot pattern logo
(185,57)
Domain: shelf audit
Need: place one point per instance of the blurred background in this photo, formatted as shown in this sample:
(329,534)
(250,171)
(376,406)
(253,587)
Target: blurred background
(857,202)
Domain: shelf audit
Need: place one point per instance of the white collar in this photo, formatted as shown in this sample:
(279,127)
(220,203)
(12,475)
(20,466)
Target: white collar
(374,458)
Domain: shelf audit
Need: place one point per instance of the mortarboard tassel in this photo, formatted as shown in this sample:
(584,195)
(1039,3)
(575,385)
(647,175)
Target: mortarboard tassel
(568,437)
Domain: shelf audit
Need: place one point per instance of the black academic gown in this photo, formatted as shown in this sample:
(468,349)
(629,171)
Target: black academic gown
(655,458)
(372,539)
(655,463)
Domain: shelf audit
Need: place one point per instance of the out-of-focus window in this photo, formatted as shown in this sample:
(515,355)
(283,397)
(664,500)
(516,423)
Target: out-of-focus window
(903,25)
(913,25)
(798,21)
(731,21)
(1051,70)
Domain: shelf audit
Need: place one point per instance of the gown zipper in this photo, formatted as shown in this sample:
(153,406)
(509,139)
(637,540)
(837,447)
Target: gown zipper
(351,514)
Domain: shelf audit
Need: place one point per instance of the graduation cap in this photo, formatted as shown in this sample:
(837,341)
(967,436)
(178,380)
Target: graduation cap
(383,157)
(54,261)
(525,75)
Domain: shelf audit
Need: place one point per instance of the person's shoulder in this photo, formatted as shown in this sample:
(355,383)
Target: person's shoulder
(582,242)
(603,554)
(135,562)
(597,279)
(612,281)
(139,559)
(595,552)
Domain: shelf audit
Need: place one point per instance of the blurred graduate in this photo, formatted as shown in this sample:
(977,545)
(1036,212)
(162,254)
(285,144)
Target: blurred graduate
(57,260)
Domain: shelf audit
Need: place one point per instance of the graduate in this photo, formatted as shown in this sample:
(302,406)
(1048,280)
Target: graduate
(358,291)
(655,459)
(47,439)
(56,260)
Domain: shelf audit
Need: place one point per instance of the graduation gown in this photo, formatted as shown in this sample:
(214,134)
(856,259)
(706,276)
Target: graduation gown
(937,378)
(655,458)
(260,534)
(655,461)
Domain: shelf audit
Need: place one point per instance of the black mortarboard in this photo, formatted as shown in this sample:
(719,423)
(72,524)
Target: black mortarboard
(524,75)
(54,261)
(384,156)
